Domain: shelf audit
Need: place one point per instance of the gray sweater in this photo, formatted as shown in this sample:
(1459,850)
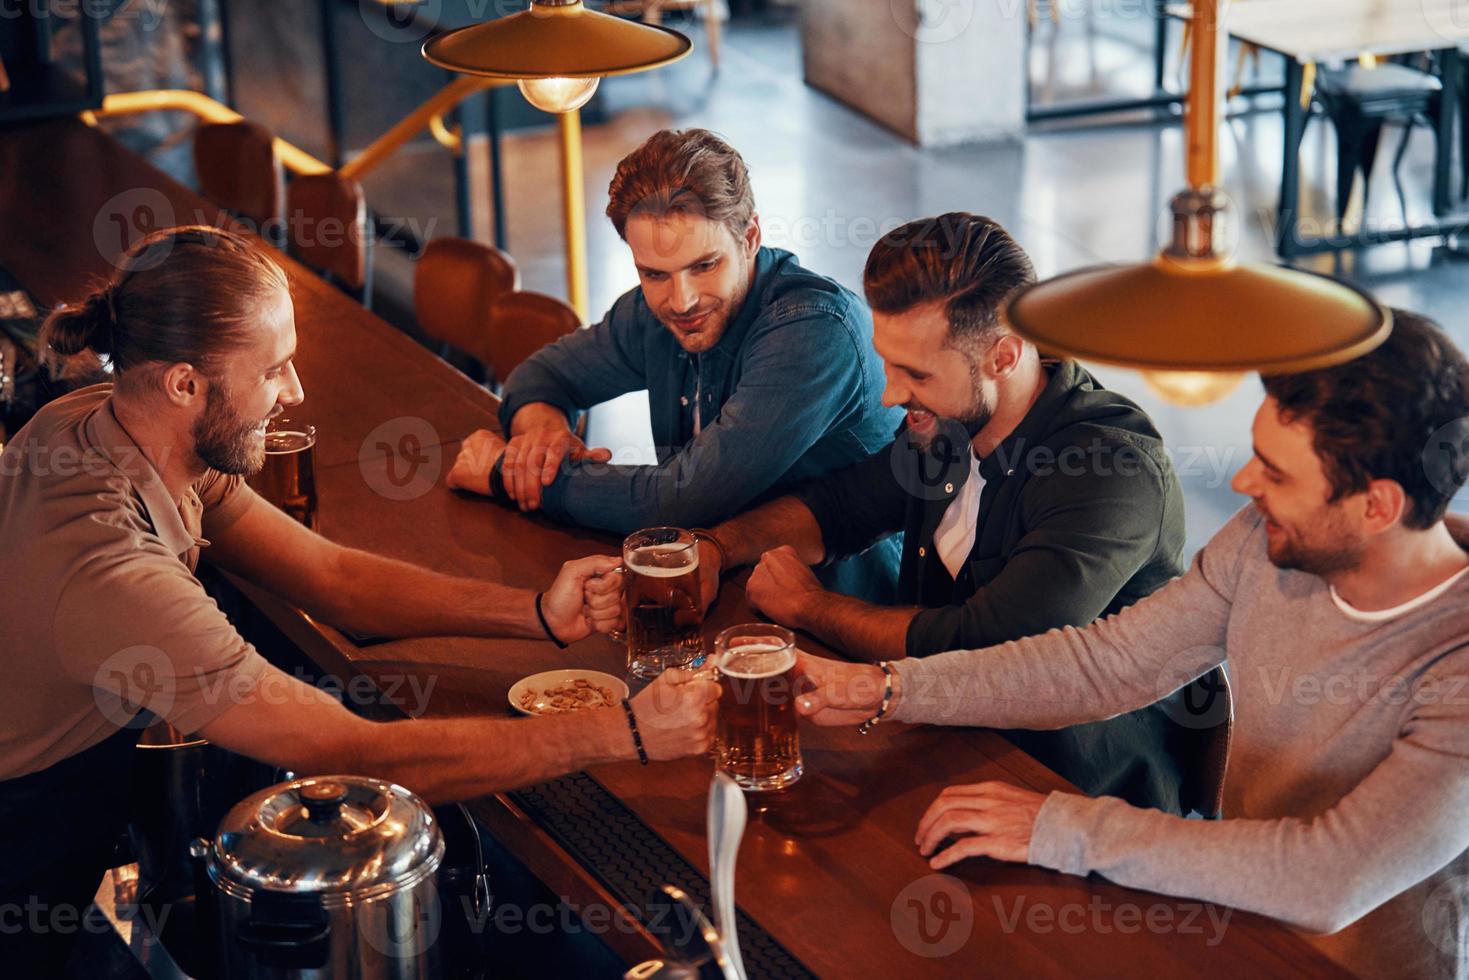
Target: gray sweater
(1346,800)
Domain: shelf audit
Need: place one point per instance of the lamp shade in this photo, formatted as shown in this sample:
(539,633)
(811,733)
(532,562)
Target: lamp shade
(1194,308)
(1163,316)
(555,40)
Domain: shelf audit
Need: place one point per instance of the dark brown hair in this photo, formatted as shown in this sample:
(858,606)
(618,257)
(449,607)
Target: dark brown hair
(966,261)
(682,171)
(186,294)
(1398,413)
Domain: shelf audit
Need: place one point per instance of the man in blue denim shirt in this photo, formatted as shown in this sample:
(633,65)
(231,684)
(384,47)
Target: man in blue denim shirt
(760,374)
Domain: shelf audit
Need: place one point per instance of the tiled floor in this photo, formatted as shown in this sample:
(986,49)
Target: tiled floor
(1074,194)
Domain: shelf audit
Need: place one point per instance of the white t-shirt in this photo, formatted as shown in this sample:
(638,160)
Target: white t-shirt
(954,538)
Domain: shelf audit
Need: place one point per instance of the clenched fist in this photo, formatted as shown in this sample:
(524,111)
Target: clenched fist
(676,714)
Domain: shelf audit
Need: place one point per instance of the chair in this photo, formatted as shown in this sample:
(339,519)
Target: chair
(520,324)
(1359,100)
(239,170)
(455,281)
(329,230)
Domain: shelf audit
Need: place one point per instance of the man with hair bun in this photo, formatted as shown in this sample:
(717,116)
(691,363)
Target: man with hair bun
(107,497)
(760,374)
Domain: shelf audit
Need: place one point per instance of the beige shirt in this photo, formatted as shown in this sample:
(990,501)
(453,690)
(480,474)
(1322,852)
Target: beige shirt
(100,613)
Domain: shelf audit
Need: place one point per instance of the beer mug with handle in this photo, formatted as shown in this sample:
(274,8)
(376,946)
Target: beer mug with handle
(758,743)
(660,594)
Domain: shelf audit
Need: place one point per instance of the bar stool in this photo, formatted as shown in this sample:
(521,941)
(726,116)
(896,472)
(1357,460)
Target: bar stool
(455,281)
(329,231)
(238,169)
(522,323)
(1358,101)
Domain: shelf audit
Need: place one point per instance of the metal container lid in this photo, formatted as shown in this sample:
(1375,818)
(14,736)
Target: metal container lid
(343,838)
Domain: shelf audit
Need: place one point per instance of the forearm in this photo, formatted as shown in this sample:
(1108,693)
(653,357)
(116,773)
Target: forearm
(858,629)
(394,598)
(444,760)
(538,415)
(782,521)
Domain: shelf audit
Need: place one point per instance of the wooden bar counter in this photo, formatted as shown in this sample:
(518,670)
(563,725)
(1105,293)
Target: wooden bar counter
(829,869)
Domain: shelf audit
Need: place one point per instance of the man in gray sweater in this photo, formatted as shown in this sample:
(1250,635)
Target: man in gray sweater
(1339,606)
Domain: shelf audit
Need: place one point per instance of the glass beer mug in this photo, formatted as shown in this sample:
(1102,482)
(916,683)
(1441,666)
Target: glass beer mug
(758,743)
(288,478)
(660,594)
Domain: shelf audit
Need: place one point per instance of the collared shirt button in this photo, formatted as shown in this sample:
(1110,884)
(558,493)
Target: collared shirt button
(948,488)
(922,552)
(1010,472)
(684,401)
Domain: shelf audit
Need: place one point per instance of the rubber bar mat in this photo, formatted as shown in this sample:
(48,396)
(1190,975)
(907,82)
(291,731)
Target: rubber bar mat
(633,862)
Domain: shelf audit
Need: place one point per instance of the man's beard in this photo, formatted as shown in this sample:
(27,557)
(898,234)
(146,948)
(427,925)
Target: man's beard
(225,441)
(972,419)
(1293,554)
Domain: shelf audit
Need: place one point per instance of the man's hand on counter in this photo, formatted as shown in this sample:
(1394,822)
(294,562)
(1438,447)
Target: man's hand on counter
(540,440)
(993,820)
(478,454)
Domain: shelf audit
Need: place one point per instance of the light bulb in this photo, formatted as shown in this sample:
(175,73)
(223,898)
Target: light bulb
(558,94)
(1191,388)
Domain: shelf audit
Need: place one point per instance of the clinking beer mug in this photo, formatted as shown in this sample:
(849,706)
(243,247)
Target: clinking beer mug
(758,743)
(660,594)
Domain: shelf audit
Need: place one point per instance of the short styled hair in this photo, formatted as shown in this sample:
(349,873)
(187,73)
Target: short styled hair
(682,171)
(1400,412)
(966,261)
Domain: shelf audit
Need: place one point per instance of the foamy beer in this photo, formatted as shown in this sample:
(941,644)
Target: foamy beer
(661,594)
(758,745)
(288,478)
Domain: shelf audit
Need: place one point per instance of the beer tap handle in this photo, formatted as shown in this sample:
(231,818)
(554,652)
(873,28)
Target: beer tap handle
(727,814)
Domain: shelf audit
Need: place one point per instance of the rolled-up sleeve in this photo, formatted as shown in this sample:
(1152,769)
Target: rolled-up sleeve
(794,384)
(857,506)
(582,369)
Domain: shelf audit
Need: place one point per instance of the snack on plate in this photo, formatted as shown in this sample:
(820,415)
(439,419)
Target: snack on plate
(575,695)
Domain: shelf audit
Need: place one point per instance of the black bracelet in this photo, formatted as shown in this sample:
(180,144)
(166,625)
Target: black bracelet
(545,625)
(498,493)
(632,722)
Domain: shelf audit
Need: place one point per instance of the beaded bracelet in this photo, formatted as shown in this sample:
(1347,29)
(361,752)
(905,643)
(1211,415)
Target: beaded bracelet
(887,700)
(637,739)
(545,625)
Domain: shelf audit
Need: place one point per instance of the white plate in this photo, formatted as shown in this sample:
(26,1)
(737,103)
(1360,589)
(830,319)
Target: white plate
(557,678)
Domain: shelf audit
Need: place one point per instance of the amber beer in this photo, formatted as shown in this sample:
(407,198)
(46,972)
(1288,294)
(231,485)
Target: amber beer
(661,594)
(759,745)
(288,478)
